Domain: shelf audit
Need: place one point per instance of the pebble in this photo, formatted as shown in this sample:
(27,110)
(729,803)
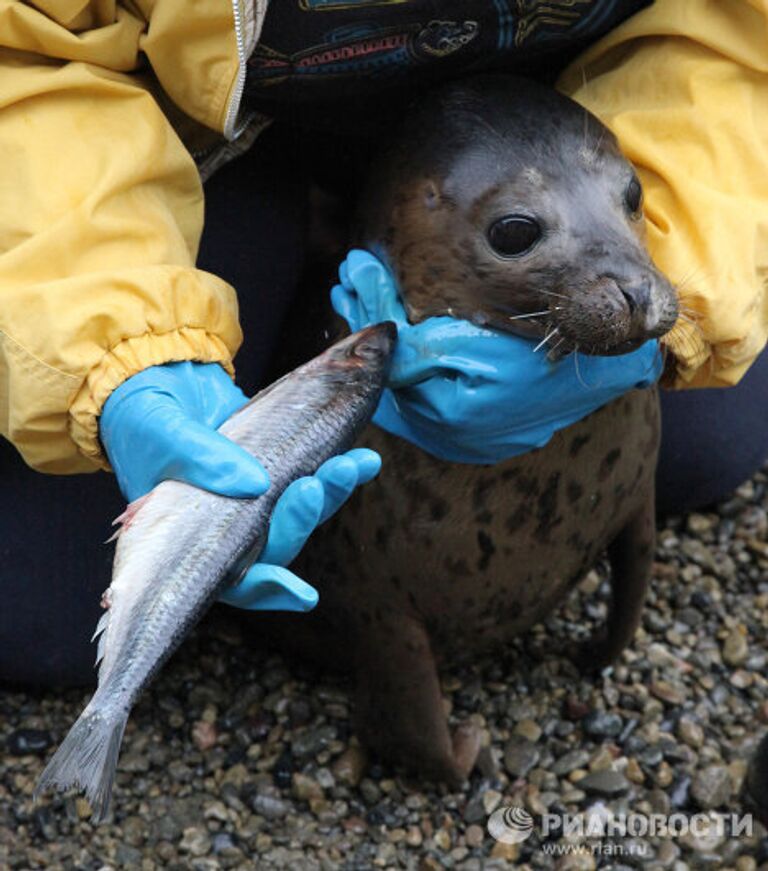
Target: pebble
(299,712)
(507,852)
(474,836)
(312,741)
(602,759)
(413,836)
(127,857)
(491,800)
(576,862)
(575,709)
(602,724)
(570,761)
(369,791)
(222,842)
(690,731)
(528,729)
(667,693)
(704,837)
(605,783)
(133,762)
(520,756)
(269,807)
(660,656)
(680,791)
(442,839)
(667,854)
(735,649)
(204,735)
(475,810)
(741,679)
(216,810)
(634,772)
(24,741)
(711,787)
(134,830)
(305,788)
(195,841)
(354,824)
(350,766)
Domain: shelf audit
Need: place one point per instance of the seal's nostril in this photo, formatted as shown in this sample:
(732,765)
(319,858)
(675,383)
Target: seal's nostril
(630,300)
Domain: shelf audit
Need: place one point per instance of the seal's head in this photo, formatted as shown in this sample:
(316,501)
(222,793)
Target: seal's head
(505,203)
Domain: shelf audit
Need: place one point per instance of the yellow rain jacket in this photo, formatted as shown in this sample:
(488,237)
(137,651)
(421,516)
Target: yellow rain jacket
(102,104)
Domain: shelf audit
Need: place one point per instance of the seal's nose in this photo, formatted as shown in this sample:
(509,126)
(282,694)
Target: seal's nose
(637,295)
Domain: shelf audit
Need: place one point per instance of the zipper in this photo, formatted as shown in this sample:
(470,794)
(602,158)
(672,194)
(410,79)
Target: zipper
(234,105)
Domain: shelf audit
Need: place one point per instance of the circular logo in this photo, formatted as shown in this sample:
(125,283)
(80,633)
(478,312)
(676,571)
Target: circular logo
(510,825)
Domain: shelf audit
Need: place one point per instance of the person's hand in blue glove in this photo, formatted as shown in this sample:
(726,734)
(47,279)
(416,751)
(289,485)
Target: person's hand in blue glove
(468,394)
(161,423)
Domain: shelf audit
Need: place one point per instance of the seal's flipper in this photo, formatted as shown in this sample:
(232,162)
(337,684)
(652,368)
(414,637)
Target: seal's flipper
(400,711)
(631,556)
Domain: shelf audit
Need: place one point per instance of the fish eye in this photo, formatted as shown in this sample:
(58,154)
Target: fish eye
(513,235)
(633,197)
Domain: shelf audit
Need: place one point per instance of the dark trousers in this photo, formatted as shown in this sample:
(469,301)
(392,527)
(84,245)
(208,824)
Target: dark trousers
(53,565)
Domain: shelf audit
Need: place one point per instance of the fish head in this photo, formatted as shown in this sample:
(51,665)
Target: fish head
(347,380)
(366,354)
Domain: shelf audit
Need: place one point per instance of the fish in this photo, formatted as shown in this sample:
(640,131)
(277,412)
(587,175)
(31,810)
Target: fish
(178,546)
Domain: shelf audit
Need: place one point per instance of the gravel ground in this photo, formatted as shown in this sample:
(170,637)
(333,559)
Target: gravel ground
(234,759)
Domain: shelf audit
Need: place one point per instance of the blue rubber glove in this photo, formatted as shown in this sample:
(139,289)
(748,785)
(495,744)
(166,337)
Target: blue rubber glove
(304,505)
(161,423)
(469,394)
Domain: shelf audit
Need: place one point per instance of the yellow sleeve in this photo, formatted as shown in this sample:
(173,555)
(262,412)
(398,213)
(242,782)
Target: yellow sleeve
(101,211)
(684,86)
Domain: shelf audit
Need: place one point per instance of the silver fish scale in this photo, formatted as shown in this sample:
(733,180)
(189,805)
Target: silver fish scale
(290,429)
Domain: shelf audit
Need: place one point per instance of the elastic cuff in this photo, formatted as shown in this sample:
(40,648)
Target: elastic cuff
(690,351)
(129,357)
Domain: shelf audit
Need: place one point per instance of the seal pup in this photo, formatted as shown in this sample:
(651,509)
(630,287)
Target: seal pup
(496,199)
(500,199)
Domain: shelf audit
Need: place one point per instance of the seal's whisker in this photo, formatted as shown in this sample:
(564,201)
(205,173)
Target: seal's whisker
(697,273)
(598,145)
(552,293)
(576,364)
(546,339)
(528,315)
(694,272)
(552,356)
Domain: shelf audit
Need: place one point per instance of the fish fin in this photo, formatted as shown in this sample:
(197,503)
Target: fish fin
(124,520)
(101,625)
(87,759)
(102,646)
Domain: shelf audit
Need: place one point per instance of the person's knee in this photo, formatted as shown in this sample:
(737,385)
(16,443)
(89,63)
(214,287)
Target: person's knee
(712,441)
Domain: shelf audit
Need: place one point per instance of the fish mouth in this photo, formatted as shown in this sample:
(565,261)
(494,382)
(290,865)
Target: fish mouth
(374,342)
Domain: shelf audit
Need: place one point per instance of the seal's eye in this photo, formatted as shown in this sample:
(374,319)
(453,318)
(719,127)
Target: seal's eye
(633,196)
(513,235)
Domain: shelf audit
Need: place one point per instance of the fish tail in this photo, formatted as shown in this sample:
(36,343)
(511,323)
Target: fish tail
(87,759)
